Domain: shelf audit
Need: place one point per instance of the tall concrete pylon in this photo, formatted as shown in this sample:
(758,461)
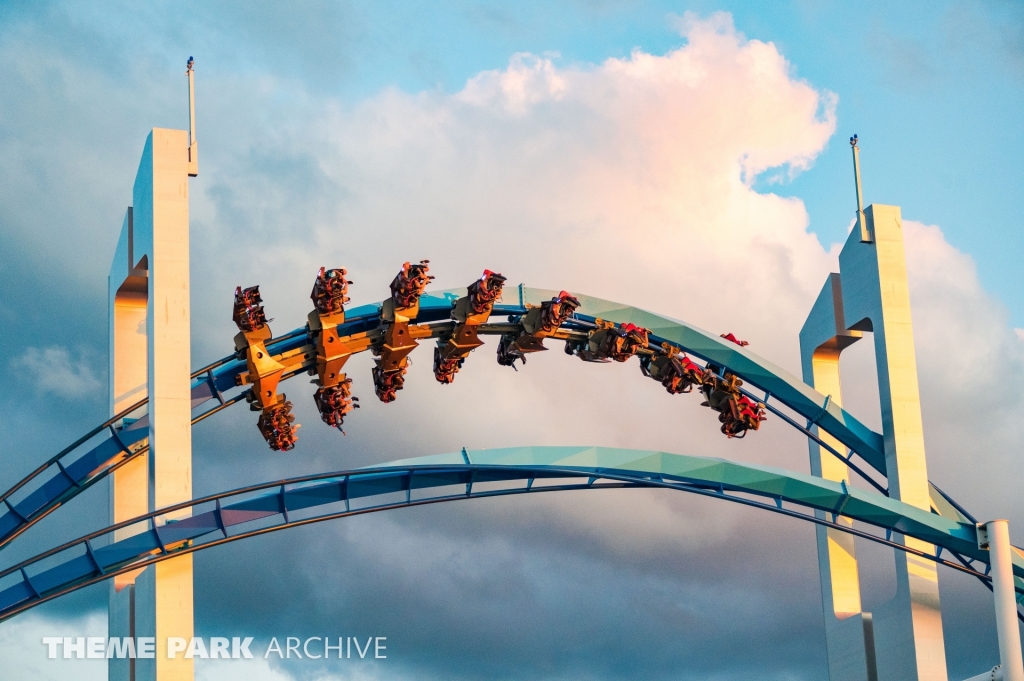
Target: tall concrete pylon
(849,637)
(150,354)
(902,640)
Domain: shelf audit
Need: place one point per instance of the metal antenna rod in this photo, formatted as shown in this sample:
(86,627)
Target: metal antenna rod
(193,147)
(861,223)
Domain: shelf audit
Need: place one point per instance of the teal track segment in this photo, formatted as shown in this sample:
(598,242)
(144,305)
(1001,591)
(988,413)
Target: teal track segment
(278,505)
(83,464)
(774,380)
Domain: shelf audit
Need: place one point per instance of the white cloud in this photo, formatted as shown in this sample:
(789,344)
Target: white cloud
(969,359)
(527,80)
(629,179)
(262,670)
(252,670)
(24,656)
(53,370)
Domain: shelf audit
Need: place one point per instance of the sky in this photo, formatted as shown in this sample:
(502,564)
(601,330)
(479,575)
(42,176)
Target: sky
(688,158)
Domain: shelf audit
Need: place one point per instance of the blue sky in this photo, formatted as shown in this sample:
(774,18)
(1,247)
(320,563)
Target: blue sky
(933,88)
(366,134)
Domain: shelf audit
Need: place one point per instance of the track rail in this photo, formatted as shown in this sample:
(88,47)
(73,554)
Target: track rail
(277,505)
(83,464)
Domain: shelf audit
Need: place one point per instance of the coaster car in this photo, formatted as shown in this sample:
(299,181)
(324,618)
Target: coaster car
(277,425)
(396,342)
(736,412)
(537,324)
(744,414)
(445,368)
(677,372)
(248,313)
(410,283)
(551,314)
(333,397)
(509,351)
(484,292)
(330,291)
(387,383)
(469,313)
(610,342)
(334,402)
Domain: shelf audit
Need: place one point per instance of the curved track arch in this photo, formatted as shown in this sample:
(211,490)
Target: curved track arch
(257,510)
(87,461)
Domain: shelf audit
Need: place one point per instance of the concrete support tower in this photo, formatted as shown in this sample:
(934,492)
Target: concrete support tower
(150,354)
(902,640)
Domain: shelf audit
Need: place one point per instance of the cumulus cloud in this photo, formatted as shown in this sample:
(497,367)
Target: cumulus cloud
(253,670)
(54,370)
(24,656)
(968,357)
(528,80)
(631,179)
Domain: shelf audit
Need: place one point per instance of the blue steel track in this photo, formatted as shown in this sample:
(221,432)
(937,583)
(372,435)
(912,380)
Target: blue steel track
(122,438)
(251,511)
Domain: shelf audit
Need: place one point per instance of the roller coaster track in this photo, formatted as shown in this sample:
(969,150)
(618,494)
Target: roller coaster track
(122,438)
(85,462)
(259,509)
